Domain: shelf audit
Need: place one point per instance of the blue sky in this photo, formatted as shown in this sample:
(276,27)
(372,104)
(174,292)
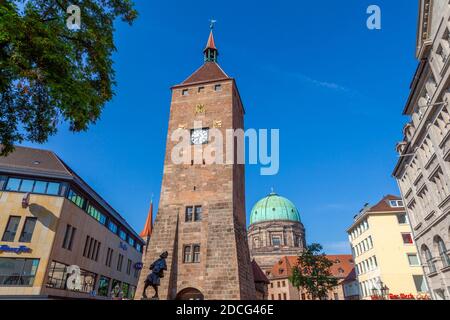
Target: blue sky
(312,69)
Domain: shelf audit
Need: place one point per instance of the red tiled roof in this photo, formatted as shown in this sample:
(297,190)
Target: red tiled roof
(351,276)
(342,266)
(209,71)
(384,206)
(258,274)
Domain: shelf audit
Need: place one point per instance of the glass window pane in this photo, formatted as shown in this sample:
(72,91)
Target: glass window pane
(11,229)
(53,188)
(28,229)
(26,186)
(40,187)
(13,184)
(413,260)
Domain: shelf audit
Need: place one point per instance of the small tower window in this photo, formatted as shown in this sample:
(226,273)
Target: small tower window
(185,92)
(201,89)
(218,87)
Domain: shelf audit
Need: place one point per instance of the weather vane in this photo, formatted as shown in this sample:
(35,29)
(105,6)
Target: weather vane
(212,22)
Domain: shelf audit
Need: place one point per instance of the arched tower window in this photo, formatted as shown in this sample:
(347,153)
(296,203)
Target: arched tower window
(442,251)
(429,259)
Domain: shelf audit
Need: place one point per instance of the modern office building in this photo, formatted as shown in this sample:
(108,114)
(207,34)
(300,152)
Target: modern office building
(423,168)
(385,254)
(59,238)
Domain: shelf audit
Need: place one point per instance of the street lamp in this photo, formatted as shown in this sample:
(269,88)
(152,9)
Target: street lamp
(384,290)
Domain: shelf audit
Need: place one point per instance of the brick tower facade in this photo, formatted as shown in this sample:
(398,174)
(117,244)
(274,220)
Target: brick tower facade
(201,220)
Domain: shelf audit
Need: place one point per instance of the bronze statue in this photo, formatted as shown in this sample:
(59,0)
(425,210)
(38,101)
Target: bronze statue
(154,278)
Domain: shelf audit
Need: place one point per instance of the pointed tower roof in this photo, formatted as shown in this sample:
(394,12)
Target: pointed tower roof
(147,232)
(210,44)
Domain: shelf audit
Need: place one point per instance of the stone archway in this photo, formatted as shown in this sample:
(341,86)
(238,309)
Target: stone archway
(189,294)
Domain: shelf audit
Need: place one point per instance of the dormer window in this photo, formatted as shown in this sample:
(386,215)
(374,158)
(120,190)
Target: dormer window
(396,203)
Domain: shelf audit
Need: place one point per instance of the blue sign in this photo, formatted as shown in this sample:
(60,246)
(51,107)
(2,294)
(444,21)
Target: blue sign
(123,246)
(21,249)
(138,265)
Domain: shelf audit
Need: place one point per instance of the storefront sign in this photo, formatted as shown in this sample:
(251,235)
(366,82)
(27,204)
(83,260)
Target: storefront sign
(138,265)
(21,249)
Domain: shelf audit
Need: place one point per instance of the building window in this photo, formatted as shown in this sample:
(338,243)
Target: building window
(76,199)
(396,203)
(402,218)
(271,285)
(119,262)
(272,296)
(68,237)
(278,284)
(283,283)
(284,296)
(131,241)
(187,254)
(34,186)
(196,253)
(419,281)
(28,229)
(191,253)
(188,215)
(429,259)
(442,252)
(193,213)
(122,235)
(276,241)
(201,89)
(407,238)
(197,213)
(218,87)
(138,247)
(109,256)
(17,272)
(97,215)
(129,266)
(11,229)
(112,227)
(185,92)
(413,259)
(103,286)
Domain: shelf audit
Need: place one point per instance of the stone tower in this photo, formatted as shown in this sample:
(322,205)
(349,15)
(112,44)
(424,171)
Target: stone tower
(201,219)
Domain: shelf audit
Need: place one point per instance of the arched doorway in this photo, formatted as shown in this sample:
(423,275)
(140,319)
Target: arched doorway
(190,294)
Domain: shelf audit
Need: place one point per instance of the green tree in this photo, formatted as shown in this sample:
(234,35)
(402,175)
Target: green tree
(312,272)
(50,74)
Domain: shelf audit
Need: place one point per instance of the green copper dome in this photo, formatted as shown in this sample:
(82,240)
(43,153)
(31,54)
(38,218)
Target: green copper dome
(274,207)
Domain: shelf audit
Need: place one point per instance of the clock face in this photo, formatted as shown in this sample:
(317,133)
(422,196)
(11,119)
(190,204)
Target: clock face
(199,136)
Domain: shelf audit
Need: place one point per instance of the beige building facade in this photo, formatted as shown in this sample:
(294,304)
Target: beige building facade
(385,253)
(60,239)
(423,169)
